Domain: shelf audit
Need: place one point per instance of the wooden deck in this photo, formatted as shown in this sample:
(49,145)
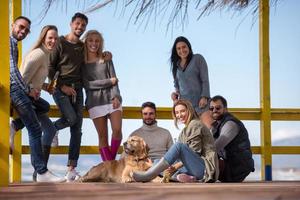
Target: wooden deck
(276,190)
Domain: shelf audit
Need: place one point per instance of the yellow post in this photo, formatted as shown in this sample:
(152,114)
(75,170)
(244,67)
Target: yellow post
(16,161)
(265,99)
(4,93)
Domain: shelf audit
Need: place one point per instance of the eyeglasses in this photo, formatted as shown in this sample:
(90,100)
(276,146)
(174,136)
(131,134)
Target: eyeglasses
(211,108)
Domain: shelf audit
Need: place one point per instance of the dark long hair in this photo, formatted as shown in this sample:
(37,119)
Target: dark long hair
(174,56)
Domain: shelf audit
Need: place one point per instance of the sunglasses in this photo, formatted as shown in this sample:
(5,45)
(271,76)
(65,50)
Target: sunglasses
(212,108)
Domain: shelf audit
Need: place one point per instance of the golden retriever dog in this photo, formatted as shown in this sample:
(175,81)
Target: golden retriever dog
(118,171)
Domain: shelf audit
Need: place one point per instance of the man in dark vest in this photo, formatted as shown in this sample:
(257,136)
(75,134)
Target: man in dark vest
(232,142)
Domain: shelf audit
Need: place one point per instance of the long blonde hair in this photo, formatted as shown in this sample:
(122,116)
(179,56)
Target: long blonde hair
(84,39)
(190,110)
(42,35)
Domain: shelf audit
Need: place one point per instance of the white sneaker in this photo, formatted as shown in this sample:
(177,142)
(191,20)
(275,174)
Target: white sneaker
(71,176)
(48,177)
(12,134)
(55,140)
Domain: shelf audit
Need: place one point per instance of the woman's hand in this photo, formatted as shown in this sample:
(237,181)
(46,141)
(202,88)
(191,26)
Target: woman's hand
(114,81)
(203,102)
(175,96)
(171,169)
(34,93)
(107,56)
(116,103)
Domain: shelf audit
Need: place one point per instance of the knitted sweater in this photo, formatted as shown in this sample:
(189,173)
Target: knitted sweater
(97,84)
(68,59)
(158,139)
(34,68)
(193,82)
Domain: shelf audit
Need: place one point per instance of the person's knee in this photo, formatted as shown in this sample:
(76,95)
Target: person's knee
(34,129)
(71,120)
(179,145)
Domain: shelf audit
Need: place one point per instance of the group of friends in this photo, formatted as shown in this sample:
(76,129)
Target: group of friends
(213,145)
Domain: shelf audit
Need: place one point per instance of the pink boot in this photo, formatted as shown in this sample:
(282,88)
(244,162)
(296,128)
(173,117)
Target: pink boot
(105,153)
(115,144)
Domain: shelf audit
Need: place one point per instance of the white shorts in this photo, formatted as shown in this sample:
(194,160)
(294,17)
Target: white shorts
(100,111)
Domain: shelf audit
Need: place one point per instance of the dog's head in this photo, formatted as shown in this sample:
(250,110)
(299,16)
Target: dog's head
(136,147)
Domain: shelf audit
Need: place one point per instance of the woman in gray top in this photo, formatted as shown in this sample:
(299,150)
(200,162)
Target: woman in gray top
(190,75)
(103,99)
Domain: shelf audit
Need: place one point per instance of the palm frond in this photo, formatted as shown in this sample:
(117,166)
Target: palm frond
(142,11)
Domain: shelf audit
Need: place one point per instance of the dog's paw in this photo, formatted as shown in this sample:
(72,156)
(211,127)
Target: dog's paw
(156,180)
(127,180)
(166,177)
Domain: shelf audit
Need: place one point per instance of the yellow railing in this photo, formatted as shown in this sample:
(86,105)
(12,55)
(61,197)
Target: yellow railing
(165,113)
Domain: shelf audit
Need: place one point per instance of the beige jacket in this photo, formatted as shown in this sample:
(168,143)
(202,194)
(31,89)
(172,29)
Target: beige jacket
(198,137)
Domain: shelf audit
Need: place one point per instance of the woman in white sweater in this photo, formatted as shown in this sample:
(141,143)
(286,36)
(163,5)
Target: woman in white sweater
(34,70)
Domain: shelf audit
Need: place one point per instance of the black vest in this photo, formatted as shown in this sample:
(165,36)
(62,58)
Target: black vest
(239,162)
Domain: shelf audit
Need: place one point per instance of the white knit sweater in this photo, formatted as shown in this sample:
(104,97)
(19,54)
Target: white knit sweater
(34,68)
(158,139)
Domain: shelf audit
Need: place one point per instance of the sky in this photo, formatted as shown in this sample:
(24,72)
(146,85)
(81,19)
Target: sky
(228,41)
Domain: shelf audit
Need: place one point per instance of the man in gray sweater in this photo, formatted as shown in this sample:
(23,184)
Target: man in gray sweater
(158,139)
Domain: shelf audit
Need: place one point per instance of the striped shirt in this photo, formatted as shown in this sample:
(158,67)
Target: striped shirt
(15,76)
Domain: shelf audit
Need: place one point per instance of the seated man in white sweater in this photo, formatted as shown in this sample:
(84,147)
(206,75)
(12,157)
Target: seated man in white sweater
(158,139)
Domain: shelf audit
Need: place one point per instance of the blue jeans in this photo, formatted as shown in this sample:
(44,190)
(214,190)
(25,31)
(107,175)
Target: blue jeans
(41,108)
(193,164)
(71,117)
(48,128)
(23,105)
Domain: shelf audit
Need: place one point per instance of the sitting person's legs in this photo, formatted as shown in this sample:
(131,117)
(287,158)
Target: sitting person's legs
(192,161)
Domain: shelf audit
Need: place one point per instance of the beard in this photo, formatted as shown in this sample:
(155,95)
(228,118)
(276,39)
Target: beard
(218,117)
(78,34)
(16,36)
(149,122)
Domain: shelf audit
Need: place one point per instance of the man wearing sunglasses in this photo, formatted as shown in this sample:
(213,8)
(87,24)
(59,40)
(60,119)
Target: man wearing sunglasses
(232,142)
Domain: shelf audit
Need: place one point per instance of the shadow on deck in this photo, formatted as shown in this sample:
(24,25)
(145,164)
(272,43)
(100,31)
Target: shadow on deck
(276,190)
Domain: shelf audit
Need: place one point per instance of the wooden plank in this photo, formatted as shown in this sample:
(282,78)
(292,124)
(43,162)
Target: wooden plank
(132,191)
